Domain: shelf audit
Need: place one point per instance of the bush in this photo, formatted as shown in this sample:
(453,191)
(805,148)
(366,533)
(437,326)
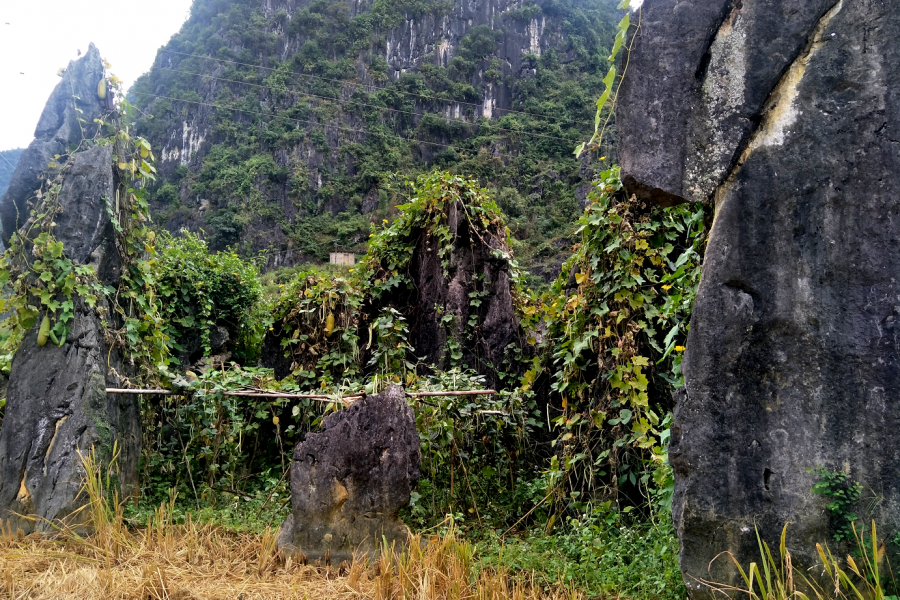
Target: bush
(200,291)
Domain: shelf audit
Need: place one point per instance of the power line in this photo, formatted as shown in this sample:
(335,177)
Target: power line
(11,166)
(397,110)
(347,81)
(293,119)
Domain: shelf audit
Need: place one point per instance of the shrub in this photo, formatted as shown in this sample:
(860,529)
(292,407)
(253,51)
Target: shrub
(200,291)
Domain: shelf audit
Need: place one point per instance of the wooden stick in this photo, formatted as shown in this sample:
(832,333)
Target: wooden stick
(134,391)
(160,392)
(460,393)
(237,393)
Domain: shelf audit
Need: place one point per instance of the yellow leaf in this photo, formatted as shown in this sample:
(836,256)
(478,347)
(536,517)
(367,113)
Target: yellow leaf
(275,420)
(580,277)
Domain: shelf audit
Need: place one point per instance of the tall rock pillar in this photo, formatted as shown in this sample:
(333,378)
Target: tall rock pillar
(57,406)
(784,115)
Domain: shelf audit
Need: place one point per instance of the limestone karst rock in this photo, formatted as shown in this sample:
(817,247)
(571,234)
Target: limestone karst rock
(57,129)
(471,268)
(57,405)
(349,482)
(495,57)
(782,113)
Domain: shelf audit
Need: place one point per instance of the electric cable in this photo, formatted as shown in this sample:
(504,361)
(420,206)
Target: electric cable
(375,106)
(347,81)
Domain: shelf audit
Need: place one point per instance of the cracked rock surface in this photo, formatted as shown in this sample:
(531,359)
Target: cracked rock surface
(349,482)
(793,359)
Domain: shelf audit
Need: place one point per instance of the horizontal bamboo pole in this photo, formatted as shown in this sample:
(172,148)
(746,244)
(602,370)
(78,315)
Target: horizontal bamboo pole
(135,391)
(159,392)
(232,393)
(459,393)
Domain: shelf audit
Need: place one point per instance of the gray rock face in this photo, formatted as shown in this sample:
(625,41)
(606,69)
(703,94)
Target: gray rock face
(794,347)
(349,482)
(703,73)
(56,130)
(84,226)
(57,405)
(472,268)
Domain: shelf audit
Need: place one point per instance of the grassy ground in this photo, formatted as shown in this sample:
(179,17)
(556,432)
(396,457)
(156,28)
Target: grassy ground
(171,552)
(207,562)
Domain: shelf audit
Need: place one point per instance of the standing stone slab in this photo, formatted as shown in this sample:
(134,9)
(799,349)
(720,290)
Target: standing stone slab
(349,482)
(447,282)
(793,359)
(57,406)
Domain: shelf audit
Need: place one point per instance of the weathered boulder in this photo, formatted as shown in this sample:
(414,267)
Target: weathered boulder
(783,112)
(349,482)
(60,126)
(57,406)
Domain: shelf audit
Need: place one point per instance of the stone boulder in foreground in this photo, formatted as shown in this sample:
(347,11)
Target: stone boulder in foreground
(784,114)
(349,482)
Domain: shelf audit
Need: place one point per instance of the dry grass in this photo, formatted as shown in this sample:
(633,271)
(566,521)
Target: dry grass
(203,561)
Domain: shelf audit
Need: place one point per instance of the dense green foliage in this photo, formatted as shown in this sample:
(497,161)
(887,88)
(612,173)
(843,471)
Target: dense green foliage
(842,494)
(8,161)
(201,291)
(617,319)
(298,143)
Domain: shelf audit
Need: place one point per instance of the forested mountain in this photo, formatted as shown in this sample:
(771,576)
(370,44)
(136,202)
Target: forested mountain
(278,122)
(8,161)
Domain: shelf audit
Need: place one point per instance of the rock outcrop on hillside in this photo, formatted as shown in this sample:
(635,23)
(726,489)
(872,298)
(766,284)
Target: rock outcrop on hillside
(328,95)
(57,406)
(465,296)
(349,482)
(782,114)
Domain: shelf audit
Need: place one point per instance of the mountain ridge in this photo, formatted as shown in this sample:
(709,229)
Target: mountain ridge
(275,122)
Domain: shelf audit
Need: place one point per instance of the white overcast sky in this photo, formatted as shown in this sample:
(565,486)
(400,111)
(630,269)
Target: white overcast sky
(44,35)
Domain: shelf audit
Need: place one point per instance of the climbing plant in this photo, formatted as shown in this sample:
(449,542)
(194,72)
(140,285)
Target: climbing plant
(45,286)
(842,494)
(611,89)
(42,282)
(617,320)
(430,199)
(317,322)
(200,290)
